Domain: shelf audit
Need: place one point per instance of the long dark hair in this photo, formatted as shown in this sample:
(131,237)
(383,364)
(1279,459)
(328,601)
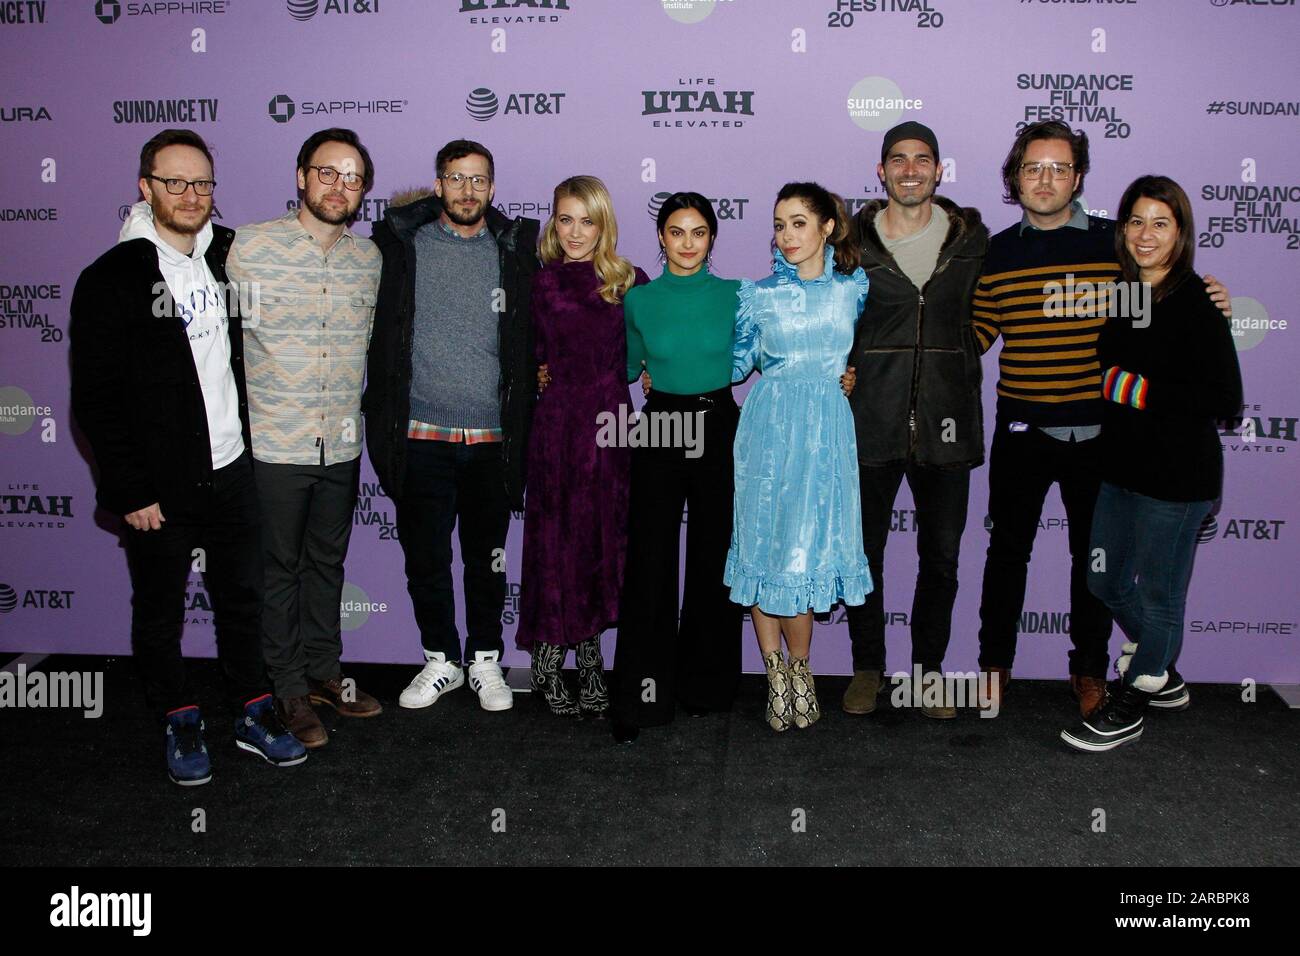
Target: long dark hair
(1165,190)
(688,200)
(824,204)
(1047,129)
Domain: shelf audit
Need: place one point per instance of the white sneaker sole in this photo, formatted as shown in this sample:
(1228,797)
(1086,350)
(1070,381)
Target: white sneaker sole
(190,783)
(506,704)
(283,763)
(1098,747)
(419,703)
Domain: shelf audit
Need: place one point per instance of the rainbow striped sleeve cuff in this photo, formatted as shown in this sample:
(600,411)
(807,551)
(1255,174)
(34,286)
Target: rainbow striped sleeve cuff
(1126,388)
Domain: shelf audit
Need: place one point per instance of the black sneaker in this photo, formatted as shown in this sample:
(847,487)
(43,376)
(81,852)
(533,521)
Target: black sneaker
(1117,722)
(1174,695)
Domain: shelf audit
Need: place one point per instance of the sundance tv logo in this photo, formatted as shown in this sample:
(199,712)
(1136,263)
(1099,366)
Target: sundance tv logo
(303,10)
(110,11)
(14,12)
(282,107)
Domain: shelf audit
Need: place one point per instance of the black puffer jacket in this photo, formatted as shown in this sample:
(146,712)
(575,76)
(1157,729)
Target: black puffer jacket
(387,399)
(916,355)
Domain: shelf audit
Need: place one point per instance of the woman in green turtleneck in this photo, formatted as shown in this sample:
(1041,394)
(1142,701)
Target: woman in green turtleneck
(679,329)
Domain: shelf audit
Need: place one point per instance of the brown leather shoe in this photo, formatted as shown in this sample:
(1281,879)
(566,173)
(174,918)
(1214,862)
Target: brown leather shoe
(301,721)
(347,699)
(1090,692)
(944,710)
(860,698)
(997,681)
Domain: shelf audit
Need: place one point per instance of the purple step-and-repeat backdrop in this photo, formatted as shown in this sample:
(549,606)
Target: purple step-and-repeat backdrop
(730,98)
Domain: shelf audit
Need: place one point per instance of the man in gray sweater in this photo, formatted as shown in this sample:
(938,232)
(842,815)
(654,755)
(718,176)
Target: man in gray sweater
(450,385)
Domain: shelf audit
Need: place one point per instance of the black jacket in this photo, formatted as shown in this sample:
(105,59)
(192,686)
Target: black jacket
(387,399)
(917,359)
(135,388)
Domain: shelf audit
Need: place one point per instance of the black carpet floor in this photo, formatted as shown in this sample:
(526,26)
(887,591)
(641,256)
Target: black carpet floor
(1214,785)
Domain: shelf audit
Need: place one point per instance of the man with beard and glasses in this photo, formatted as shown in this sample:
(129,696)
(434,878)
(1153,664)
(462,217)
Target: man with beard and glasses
(1050,403)
(917,414)
(311,283)
(158,391)
(450,387)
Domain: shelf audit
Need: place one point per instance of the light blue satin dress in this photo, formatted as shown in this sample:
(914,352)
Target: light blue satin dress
(796,540)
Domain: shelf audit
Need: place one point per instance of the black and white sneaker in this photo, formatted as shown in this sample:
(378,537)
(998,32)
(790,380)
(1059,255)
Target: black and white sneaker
(1174,695)
(1117,722)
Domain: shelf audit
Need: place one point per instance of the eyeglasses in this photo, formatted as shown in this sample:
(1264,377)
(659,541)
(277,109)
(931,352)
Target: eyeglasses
(1035,170)
(477,183)
(177,187)
(329,176)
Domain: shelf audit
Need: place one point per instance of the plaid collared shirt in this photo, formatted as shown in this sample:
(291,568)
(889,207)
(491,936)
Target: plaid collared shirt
(470,436)
(305,340)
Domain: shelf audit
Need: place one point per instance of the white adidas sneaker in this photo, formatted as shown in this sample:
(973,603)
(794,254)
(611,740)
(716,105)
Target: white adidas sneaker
(486,680)
(435,679)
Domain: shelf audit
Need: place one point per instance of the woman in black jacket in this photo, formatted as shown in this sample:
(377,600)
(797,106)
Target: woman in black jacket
(1168,372)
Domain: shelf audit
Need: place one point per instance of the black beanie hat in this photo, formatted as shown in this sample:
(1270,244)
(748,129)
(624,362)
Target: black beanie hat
(910,130)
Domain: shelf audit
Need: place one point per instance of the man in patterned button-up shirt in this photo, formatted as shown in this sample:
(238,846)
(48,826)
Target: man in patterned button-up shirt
(309,285)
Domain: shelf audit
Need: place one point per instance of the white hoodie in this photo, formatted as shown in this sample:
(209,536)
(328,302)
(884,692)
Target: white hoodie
(201,306)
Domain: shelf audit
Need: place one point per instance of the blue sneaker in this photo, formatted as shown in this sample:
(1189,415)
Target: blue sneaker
(260,731)
(187,757)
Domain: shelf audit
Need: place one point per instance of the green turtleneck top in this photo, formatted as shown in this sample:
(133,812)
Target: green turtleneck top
(682,328)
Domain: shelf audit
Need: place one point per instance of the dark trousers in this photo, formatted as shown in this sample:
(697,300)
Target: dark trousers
(306,525)
(222,538)
(450,484)
(941,495)
(1023,465)
(1144,548)
(659,659)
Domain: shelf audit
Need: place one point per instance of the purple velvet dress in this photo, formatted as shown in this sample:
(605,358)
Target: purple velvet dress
(575,513)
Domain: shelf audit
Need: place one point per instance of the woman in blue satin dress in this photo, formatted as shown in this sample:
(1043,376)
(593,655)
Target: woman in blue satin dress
(796,543)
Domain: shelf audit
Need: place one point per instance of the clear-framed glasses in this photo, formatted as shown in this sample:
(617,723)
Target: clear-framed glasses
(177,187)
(477,183)
(1035,170)
(329,176)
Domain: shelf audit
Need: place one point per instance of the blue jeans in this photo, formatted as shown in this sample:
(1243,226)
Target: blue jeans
(1141,562)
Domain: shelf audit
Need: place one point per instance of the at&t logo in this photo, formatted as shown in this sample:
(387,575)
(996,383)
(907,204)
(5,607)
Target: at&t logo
(303,10)
(482,104)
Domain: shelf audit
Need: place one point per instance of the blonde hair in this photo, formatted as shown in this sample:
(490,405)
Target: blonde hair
(615,272)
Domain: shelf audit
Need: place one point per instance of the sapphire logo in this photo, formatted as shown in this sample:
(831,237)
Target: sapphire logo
(303,9)
(482,104)
(8,599)
(281,108)
(108,10)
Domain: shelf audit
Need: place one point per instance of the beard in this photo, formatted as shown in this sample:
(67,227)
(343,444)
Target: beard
(164,217)
(461,218)
(330,215)
(914,198)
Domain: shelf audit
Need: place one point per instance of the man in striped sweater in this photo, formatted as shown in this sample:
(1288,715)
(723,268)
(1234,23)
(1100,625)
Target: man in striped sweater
(1046,289)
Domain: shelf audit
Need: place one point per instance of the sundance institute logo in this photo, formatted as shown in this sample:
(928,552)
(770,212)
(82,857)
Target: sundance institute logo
(355,607)
(482,104)
(876,103)
(281,108)
(688,11)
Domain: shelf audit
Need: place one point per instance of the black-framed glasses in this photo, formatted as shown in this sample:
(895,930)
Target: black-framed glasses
(329,176)
(1035,170)
(477,183)
(177,187)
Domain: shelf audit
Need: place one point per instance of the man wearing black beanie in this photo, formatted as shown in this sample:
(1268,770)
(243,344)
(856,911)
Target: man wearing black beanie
(919,417)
